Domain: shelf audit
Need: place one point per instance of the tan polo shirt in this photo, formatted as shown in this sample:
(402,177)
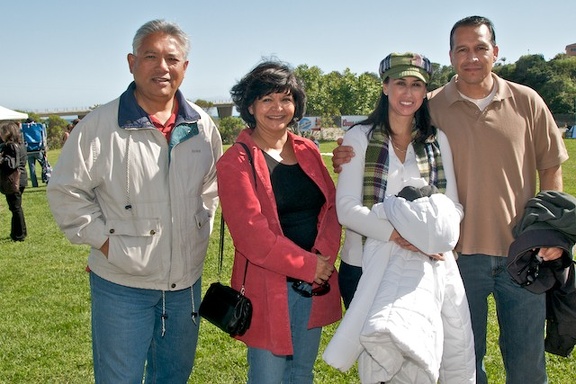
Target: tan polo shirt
(497,153)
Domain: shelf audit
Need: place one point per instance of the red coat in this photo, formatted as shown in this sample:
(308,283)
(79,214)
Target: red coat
(254,224)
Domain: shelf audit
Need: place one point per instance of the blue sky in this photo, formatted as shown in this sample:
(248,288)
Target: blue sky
(59,54)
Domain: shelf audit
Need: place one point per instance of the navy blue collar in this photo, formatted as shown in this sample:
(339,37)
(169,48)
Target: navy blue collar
(131,115)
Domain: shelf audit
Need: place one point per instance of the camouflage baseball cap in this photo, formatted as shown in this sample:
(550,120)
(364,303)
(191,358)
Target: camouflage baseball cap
(398,65)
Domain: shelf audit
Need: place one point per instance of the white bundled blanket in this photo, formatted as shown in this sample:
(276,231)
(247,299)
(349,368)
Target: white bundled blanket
(409,320)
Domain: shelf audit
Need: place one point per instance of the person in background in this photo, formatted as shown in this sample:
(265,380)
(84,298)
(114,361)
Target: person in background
(12,156)
(136,181)
(411,287)
(66,134)
(504,140)
(35,138)
(281,215)
(69,129)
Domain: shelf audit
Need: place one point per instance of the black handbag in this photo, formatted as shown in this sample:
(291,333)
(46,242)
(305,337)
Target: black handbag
(223,306)
(9,178)
(10,183)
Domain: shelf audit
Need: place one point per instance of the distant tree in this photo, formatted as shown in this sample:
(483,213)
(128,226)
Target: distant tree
(316,93)
(441,74)
(501,61)
(369,88)
(560,94)
(533,71)
(506,71)
(564,67)
(336,93)
(554,80)
(55,127)
(346,93)
(332,82)
(229,128)
(206,105)
(34,116)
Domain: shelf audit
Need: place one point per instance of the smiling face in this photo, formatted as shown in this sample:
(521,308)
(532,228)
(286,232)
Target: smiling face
(158,68)
(405,95)
(473,57)
(274,112)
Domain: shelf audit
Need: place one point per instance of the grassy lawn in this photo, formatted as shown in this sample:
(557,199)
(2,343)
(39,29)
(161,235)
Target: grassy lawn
(45,308)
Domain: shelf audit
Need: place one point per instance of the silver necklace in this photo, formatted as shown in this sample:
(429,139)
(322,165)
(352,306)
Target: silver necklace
(401,150)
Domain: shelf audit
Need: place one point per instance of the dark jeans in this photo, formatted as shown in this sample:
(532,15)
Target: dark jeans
(521,318)
(18,225)
(348,278)
(39,157)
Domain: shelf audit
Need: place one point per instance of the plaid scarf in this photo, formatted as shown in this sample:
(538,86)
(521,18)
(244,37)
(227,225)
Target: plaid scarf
(376,165)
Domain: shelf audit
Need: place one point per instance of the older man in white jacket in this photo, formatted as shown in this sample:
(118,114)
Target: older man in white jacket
(136,181)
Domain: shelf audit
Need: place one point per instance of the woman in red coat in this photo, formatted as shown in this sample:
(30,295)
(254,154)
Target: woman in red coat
(282,218)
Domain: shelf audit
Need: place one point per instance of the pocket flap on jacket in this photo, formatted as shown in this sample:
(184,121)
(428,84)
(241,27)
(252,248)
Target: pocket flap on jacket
(202,218)
(133,227)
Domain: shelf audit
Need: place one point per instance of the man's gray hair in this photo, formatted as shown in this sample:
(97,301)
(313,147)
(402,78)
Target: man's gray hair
(162,26)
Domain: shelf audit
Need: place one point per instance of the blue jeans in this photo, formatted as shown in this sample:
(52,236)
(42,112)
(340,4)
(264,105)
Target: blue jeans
(268,368)
(521,318)
(32,158)
(127,332)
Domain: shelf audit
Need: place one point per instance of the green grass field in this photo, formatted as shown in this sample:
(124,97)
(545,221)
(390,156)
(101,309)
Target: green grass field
(45,309)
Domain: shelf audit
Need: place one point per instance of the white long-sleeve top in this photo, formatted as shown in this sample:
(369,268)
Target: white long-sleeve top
(374,329)
(359,220)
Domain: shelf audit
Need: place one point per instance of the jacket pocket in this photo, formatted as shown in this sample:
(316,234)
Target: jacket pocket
(134,245)
(202,219)
(194,236)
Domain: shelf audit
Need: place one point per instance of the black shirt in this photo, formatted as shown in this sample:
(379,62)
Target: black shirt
(298,200)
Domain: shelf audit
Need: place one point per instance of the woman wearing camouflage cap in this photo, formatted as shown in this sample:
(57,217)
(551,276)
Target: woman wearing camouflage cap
(408,319)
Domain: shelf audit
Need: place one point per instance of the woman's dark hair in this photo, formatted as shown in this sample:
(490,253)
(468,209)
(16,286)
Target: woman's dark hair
(473,21)
(266,78)
(11,132)
(379,118)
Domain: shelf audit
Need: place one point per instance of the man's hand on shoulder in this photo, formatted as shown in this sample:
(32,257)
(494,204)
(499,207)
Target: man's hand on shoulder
(342,154)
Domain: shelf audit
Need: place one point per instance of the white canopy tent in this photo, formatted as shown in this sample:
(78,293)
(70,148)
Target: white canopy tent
(8,114)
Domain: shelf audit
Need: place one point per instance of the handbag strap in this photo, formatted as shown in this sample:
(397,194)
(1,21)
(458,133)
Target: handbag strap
(221,247)
(250,160)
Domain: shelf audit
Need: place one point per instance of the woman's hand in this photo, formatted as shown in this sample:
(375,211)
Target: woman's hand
(402,242)
(324,269)
(405,244)
(436,256)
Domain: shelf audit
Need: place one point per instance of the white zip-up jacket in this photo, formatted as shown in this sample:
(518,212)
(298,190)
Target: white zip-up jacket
(118,178)
(409,320)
